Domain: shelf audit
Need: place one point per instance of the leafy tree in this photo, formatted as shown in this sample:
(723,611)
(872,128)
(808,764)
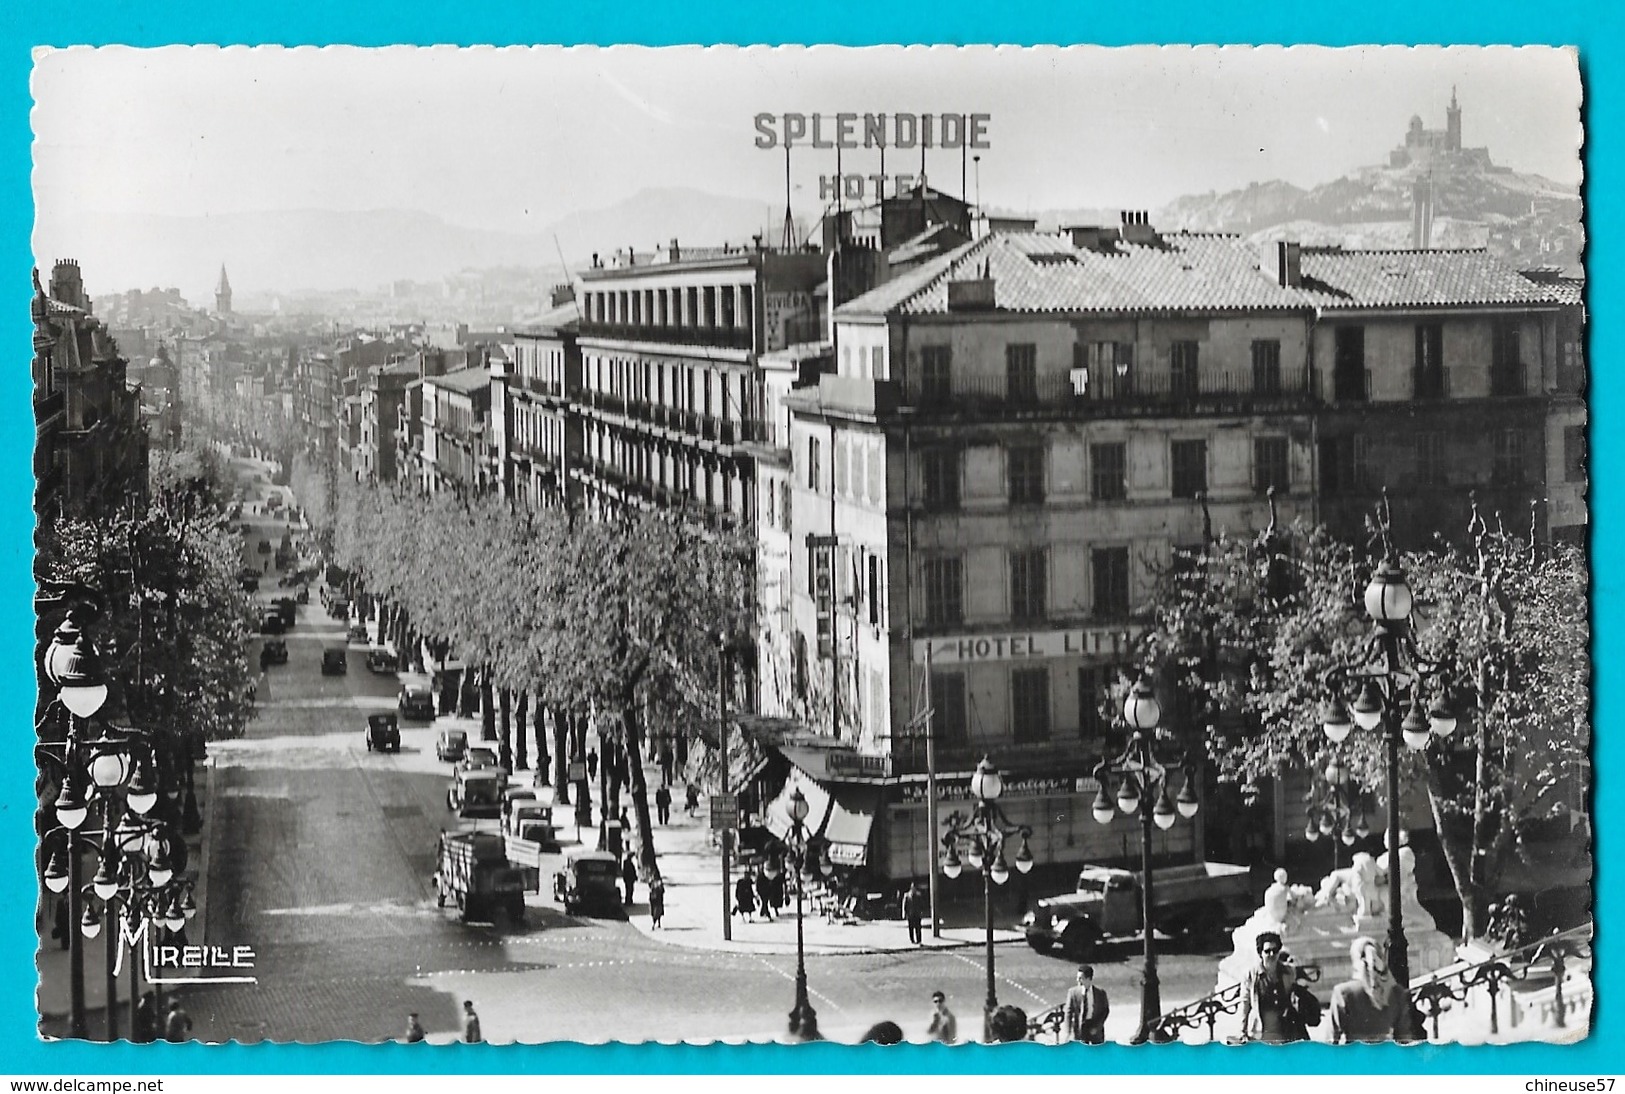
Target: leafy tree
(176,627)
(1248,629)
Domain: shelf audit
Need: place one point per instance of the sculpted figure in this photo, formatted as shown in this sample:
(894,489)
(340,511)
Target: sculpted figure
(1356,882)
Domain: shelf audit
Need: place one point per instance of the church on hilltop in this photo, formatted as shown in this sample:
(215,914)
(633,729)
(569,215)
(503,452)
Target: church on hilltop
(1427,148)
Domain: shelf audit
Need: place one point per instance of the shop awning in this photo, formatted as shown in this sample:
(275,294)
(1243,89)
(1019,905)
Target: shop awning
(852,814)
(818,804)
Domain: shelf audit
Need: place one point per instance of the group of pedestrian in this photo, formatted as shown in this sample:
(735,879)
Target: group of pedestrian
(755,891)
(416,1034)
(1277,1007)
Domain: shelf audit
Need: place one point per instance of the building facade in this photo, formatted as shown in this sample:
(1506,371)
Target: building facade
(456,450)
(541,434)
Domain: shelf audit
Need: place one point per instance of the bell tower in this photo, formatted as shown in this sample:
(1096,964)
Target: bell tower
(1452,123)
(222,293)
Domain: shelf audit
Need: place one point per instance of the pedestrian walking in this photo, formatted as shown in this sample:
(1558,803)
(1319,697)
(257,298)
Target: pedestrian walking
(592,763)
(657,902)
(745,897)
(1365,1007)
(663,805)
(629,875)
(1266,993)
(178,1025)
(691,798)
(471,1024)
(1086,1009)
(665,764)
(764,895)
(144,1030)
(414,1029)
(914,912)
(944,1026)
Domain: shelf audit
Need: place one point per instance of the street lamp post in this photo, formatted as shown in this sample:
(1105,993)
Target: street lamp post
(1143,789)
(984,833)
(803,1019)
(1390,671)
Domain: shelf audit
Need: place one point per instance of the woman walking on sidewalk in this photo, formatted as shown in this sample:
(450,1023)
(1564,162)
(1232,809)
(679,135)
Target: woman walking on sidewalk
(745,898)
(657,902)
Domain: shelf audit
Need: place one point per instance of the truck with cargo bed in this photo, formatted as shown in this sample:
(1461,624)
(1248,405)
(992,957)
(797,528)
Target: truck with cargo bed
(473,874)
(1191,899)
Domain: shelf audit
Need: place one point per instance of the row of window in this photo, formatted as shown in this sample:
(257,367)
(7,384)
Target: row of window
(943,585)
(1351,382)
(1030,711)
(667,384)
(1112,365)
(1108,471)
(691,306)
(1346,465)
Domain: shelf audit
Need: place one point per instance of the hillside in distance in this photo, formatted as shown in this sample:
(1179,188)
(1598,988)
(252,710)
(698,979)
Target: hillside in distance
(1524,219)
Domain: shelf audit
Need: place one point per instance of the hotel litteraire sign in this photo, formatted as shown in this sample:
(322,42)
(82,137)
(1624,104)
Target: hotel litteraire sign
(970,649)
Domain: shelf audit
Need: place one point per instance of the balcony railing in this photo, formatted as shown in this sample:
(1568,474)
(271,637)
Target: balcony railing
(719,337)
(1106,387)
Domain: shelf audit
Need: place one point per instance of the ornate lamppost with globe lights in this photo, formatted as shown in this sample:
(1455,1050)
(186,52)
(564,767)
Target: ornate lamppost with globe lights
(1143,788)
(805,869)
(984,833)
(1387,678)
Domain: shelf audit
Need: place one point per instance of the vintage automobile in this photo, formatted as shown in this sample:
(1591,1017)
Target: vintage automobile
(1194,899)
(275,651)
(382,662)
(333,661)
(287,608)
(357,632)
(588,884)
(473,874)
(383,733)
(338,607)
(476,757)
(451,745)
(417,701)
(475,793)
(249,580)
(271,622)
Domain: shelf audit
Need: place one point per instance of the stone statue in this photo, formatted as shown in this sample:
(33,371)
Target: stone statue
(1278,899)
(1357,882)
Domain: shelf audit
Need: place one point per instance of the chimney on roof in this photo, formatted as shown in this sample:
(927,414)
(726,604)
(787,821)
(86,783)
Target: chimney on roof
(1091,237)
(1136,227)
(673,254)
(757,239)
(1289,264)
(595,260)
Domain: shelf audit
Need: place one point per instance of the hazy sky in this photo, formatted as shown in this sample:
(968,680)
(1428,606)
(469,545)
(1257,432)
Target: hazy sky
(515,138)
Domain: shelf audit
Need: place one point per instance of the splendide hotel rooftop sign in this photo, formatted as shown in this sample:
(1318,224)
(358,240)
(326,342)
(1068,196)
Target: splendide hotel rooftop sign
(1105,642)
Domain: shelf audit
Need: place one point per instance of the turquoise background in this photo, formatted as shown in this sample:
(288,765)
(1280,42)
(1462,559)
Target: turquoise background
(25,24)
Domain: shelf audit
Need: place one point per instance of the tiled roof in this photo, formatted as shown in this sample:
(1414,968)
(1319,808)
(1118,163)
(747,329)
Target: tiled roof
(1041,272)
(564,317)
(468,379)
(1334,279)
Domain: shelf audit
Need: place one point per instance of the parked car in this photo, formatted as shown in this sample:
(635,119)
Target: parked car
(417,701)
(587,885)
(249,580)
(383,733)
(287,608)
(333,662)
(271,622)
(275,651)
(357,632)
(301,594)
(451,745)
(475,792)
(382,661)
(338,607)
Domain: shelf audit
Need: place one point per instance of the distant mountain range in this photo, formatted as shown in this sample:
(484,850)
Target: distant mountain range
(1525,219)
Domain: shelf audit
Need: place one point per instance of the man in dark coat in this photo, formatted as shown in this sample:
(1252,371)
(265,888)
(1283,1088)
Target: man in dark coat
(629,875)
(663,805)
(146,1020)
(1086,1009)
(745,898)
(914,913)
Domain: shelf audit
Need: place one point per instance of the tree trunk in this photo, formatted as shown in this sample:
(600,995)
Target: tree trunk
(467,693)
(647,863)
(505,724)
(521,760)
(488,714)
